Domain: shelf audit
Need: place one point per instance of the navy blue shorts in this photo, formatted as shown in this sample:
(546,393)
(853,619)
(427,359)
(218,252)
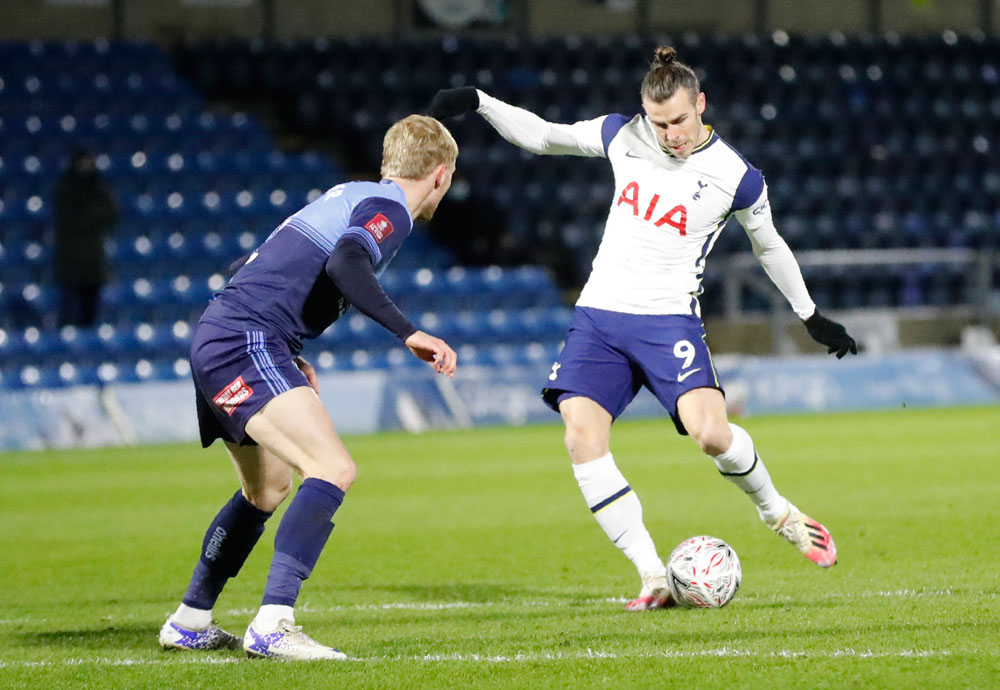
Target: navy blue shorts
(237,372)
(609,356)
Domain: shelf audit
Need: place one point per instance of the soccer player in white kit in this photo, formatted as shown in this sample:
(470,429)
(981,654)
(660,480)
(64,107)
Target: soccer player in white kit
(638,322)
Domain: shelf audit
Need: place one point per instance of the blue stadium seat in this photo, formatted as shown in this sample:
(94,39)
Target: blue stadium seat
(31,376)
(199,188)
(83,345)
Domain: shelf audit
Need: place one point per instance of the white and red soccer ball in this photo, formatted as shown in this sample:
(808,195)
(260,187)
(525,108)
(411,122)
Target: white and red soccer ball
(704,572)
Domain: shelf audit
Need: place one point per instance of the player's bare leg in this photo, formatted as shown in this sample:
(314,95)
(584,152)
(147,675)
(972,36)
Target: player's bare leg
(703,413)
(296,429)
(610,498)
(265,479)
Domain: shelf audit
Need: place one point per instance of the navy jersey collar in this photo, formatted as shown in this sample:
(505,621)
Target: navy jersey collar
(712,138)
(401,194)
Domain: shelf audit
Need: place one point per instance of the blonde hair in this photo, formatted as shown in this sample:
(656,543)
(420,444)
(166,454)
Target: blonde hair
(667,74)
(415,145)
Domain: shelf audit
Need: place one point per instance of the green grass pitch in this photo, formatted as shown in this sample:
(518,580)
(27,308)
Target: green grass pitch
(468,559)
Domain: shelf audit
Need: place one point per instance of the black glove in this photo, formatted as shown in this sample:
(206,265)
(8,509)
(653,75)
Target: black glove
(831,334)
(452,102)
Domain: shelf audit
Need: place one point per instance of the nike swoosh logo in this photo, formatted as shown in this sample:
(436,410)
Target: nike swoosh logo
(681,377)
(629,154)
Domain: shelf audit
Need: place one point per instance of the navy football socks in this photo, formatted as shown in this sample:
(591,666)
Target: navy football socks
(300,539)
(229,540)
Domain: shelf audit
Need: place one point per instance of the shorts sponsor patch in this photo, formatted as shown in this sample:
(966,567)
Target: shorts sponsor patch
(230,397)
(380,227)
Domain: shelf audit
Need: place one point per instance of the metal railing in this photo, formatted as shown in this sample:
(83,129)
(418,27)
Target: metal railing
(743,273)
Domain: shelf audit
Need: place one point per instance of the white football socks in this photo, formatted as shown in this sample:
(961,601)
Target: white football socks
(266,620)
(618,511)
(743,467)
(270,614)
(191,618)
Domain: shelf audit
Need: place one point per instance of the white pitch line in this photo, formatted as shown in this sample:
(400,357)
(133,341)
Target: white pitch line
(723,652)
(402,606)
(514,603)
(533,657)
(834,596)
(104,661)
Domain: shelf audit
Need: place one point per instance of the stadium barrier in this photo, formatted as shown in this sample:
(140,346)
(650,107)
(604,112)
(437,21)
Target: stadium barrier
(927,285)
(417,400)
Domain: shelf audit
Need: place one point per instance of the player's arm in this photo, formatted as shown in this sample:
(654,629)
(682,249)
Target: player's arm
(352,270)
(781,267)
(774,254)
(522,127)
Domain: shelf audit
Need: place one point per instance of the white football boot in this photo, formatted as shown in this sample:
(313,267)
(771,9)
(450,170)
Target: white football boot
(173,636)
(287,641)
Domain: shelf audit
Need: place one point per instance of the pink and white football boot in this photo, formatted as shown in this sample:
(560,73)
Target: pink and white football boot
(655,593)
(808,536)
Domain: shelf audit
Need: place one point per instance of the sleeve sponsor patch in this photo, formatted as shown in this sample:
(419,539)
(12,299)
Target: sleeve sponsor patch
(380,227)
(230,397)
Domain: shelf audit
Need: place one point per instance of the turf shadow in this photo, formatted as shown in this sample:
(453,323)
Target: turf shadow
(110,637)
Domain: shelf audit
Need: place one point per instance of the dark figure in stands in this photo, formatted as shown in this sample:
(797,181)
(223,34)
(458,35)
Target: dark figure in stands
(86,212)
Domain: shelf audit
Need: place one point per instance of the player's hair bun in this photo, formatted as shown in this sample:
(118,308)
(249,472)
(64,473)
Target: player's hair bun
(664,56)
(667,74)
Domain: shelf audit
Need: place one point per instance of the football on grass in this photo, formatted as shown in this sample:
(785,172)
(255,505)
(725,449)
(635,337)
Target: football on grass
(704,572)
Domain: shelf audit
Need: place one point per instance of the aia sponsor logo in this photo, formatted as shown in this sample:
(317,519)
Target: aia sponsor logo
(676,217)
(230,397)
(380,227)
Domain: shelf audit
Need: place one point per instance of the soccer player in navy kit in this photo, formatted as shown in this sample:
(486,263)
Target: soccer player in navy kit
(259,397)
(638,321)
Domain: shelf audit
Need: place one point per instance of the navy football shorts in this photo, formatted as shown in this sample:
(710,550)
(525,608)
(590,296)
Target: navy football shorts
(609,356)
(237,372)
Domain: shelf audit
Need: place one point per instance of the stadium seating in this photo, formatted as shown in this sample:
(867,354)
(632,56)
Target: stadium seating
(198,188)
(854,133)
(867,142)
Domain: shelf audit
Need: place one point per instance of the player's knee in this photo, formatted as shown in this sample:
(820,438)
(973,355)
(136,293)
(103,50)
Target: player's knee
(585,443)
(268,497)
(279,492)
(275,495)
(713,438)
(347,473)
(339,471)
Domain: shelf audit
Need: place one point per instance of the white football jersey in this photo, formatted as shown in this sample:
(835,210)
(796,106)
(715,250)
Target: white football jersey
(666,212)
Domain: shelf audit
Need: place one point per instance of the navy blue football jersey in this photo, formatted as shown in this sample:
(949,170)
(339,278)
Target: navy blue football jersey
(283,286)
